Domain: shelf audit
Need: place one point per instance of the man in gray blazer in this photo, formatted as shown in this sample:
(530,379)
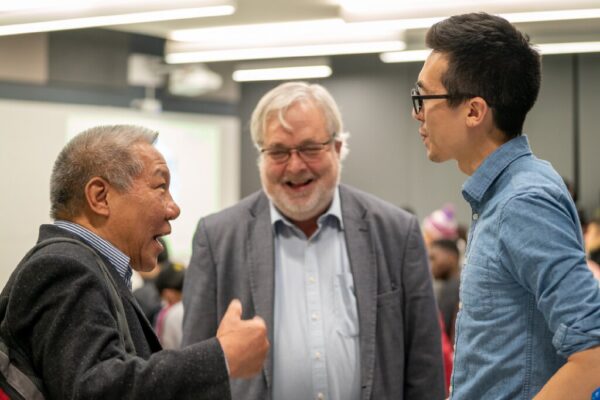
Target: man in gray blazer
(339,276)
(110,191)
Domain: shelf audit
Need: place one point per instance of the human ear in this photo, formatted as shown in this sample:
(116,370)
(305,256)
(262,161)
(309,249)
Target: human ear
(96,195)
(338,146)
(478,111)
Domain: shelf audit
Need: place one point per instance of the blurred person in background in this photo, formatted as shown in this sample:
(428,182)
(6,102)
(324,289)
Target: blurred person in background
(440,224)
(443,260)
(169,320)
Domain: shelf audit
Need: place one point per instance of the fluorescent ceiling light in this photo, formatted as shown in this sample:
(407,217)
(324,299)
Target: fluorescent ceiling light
(120,19)
(537,16)
(569,48)
(280,33)
(281,40)
(404,56)
(557,15)
(544,48)
(513,10)
(271,70)
(283,52)
(282,73)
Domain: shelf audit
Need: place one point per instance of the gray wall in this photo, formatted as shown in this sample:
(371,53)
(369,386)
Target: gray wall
(386,154)
(590,131)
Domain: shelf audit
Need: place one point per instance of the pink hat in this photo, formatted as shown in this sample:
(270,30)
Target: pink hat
(441,224)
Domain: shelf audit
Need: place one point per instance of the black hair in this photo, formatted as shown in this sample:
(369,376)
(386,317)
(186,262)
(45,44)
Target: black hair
(446,244)
(171,276)
(489,58)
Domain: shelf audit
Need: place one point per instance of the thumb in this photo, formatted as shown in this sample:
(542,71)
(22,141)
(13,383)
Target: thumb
(234,309)
(259,320)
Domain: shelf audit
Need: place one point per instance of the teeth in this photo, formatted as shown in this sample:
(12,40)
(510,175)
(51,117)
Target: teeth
(299,183)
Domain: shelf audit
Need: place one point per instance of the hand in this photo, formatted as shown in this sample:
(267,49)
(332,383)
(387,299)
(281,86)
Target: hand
(244,342)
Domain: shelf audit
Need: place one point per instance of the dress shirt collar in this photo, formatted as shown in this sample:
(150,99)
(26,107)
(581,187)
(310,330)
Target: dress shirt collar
(333,212)
(116,257)
(477,185)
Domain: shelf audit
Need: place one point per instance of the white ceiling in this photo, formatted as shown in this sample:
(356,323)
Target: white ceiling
(266,11)
(247,12)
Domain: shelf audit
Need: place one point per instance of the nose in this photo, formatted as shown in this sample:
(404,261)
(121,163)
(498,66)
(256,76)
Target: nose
(295,163)
(173,209)
(419,116)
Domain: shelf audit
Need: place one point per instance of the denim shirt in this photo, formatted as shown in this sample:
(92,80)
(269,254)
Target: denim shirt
(528,300)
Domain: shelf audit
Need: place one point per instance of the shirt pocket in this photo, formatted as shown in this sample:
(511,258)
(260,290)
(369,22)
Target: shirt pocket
(475,289)
(346,313)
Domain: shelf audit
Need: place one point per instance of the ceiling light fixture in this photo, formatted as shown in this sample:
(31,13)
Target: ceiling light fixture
(404,56)
(283,52)
(281,40)
(513,10)
(544,48)
(569,48)
(282,73)
(117,19)
(306,68)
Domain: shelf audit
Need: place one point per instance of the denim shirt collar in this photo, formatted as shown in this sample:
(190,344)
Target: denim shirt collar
(478,184)
(334,212)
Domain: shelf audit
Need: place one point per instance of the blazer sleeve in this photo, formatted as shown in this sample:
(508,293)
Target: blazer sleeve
(200,319)
(61,312)
(424,377)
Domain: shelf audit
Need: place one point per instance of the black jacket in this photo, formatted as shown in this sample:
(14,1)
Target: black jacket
(60,312)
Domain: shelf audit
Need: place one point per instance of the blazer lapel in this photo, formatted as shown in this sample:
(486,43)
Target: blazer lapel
(364,270)
(262,269)
(149,331)
(146,325)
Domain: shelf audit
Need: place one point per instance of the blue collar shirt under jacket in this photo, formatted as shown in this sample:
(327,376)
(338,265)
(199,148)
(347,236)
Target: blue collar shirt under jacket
(316,352)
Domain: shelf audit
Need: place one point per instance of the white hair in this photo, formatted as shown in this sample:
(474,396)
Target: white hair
(278,100)
(104,151)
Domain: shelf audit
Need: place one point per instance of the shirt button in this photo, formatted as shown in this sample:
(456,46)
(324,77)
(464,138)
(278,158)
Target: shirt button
(318,355)
(312,279)
(314,316)
(460,305)
(320,396)
(475,217)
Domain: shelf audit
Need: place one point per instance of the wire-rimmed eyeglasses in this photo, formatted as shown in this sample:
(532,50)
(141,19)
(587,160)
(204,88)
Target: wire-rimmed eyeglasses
(308,152)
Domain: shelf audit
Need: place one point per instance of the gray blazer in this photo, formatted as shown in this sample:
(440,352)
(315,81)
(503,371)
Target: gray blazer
(400,346)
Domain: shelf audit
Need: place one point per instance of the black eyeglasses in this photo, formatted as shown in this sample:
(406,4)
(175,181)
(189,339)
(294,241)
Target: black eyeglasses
(308,152)
(417,99)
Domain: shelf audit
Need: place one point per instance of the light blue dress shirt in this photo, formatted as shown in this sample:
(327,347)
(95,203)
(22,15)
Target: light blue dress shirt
(315,340)
(528,300)
(118,259)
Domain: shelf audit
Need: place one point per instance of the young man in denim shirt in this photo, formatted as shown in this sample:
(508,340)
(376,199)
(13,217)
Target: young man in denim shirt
(529,320)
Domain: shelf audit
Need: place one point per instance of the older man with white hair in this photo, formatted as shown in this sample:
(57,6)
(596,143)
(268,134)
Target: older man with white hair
(339,276)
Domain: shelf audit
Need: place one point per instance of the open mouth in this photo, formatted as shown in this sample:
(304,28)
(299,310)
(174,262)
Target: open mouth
(299,185)
(159,242)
